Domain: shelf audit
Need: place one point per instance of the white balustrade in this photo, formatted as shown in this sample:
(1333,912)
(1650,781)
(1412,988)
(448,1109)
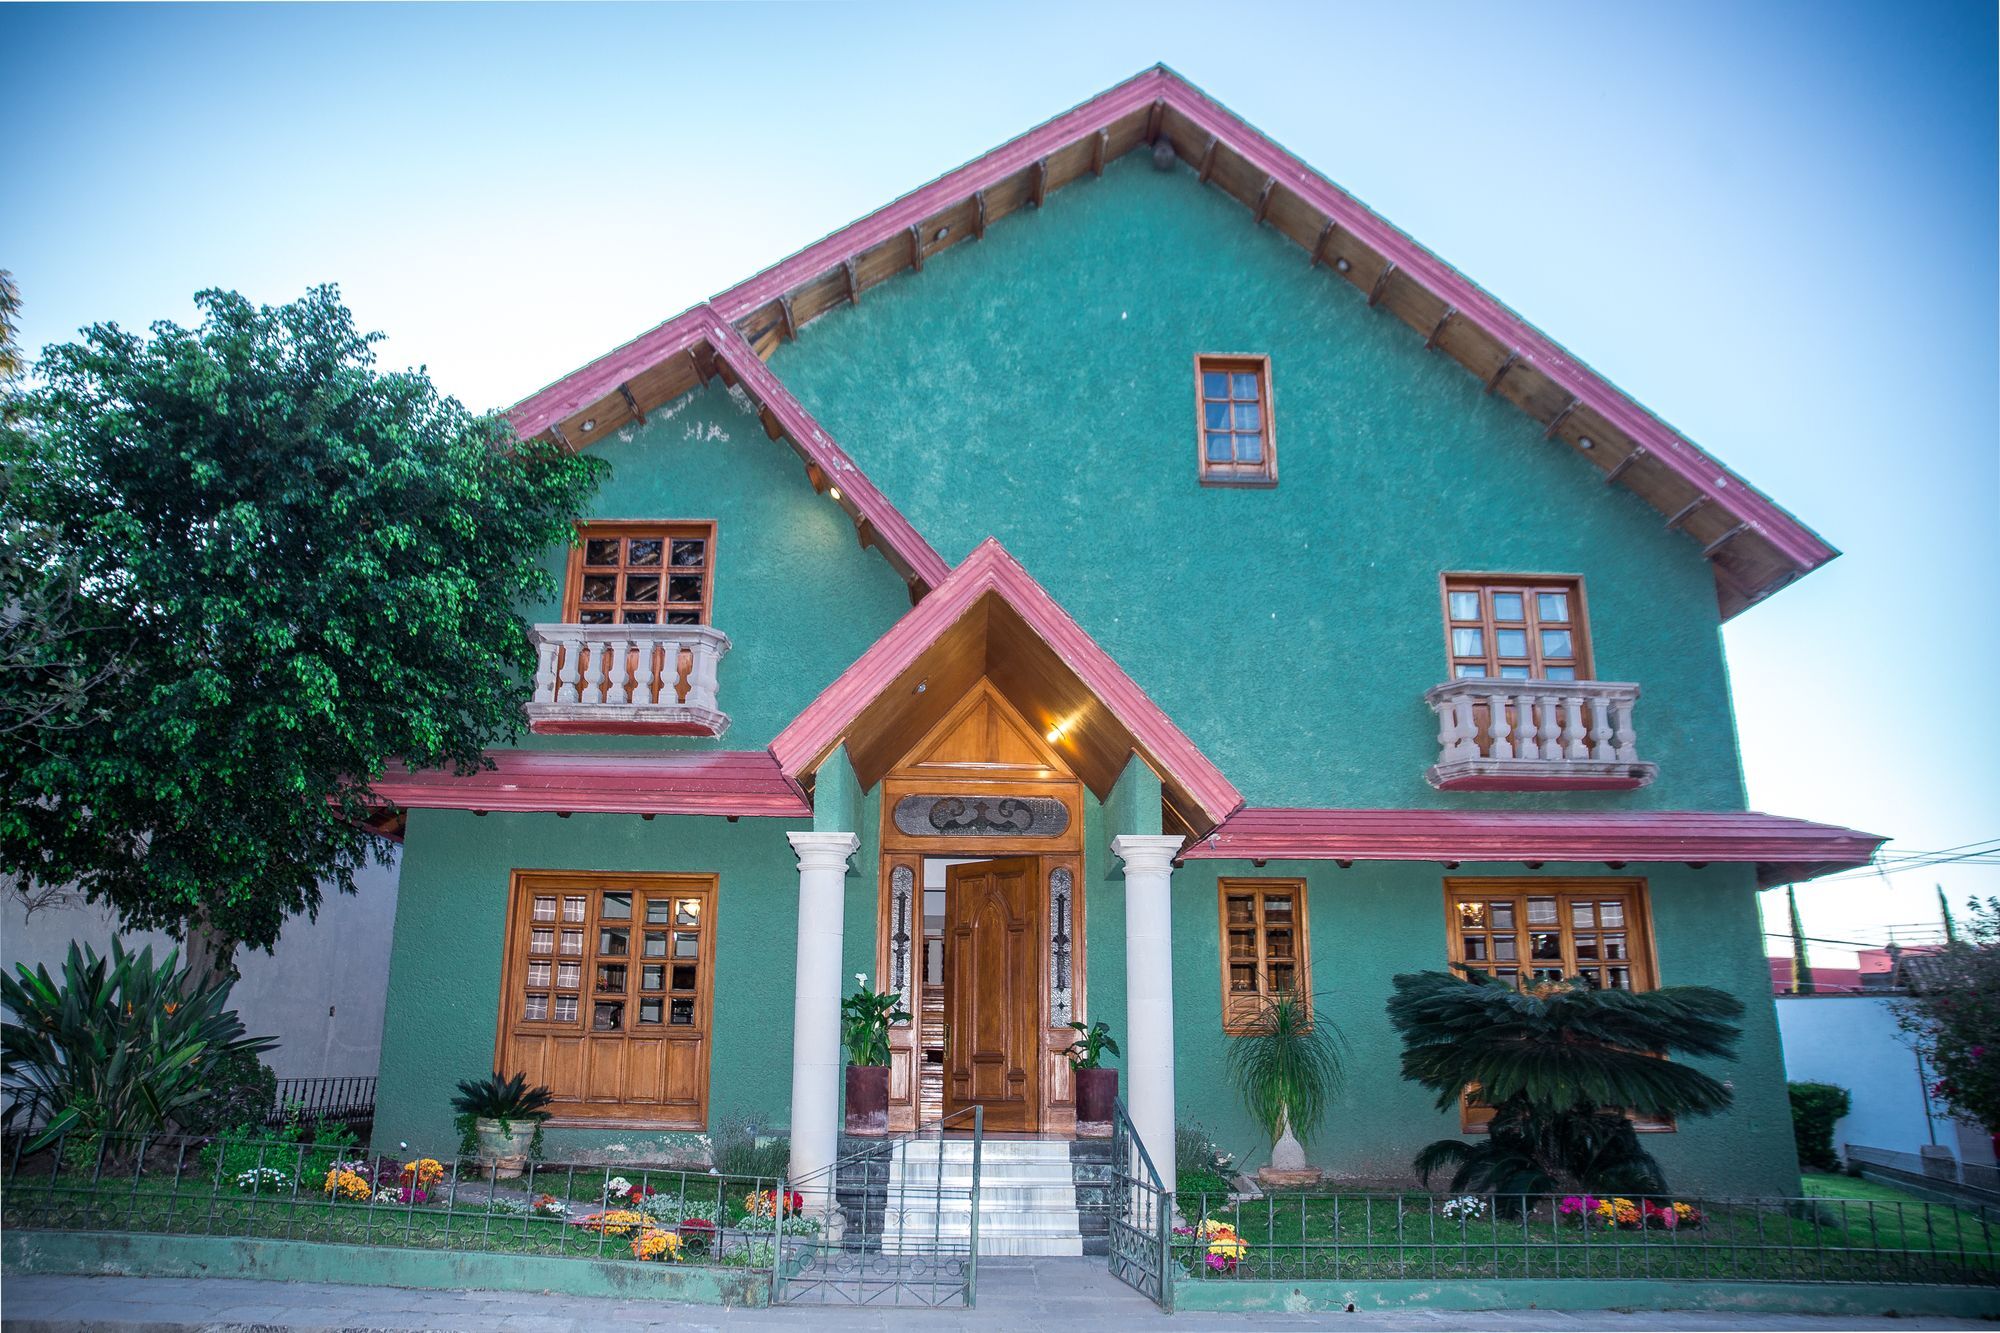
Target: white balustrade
(1501,735)
(660,679)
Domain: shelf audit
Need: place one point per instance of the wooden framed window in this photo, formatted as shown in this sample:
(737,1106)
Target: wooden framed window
(640,573)
(1264,945)
(1233,420)
(607,992)
(1548,929)
(1512,628)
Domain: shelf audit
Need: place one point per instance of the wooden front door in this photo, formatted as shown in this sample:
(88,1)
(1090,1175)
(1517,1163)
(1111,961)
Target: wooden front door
(992,984)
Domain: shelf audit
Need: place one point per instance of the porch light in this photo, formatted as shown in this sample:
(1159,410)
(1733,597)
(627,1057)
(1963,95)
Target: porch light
(834,491)
(589,425)
(1055,733)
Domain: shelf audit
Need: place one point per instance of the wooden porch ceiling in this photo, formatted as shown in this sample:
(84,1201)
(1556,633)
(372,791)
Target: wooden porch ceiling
(1753,546)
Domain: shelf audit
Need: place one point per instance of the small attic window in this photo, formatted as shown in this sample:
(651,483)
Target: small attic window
(1233,420)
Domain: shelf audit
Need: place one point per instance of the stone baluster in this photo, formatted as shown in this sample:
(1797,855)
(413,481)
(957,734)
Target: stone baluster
(1524,730)
(626,668)
(1467,746)
(1573,746)
(571,670)
(1621,720)
(593,671)
(1551,729)
(546,650)
(1497,728)
(701,676)
(1600,732)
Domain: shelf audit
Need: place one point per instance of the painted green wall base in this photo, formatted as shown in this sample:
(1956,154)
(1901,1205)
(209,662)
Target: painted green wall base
(123,1254)
(1584,1294)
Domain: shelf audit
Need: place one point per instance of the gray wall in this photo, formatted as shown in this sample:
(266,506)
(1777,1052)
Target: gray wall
(320,992)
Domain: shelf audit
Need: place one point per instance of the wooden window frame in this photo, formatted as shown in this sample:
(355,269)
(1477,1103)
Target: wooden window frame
(572,1106)
(1641,954)
(667,529)
(1528,585)
(1236,474)
(1236,1021)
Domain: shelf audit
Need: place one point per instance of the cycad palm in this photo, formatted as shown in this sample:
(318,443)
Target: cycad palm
(1561,1063)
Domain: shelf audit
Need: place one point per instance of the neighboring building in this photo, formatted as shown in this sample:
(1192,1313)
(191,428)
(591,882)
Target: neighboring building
(1874,971)
(995,562)
(320,991)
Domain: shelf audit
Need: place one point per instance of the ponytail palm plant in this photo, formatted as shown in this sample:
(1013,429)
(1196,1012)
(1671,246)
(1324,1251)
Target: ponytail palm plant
(1288,1069)
(1565,1066)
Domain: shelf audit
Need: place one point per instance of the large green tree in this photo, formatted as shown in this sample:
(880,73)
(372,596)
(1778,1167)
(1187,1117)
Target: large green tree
(298,569)
(1952,1014)
(1564,1066)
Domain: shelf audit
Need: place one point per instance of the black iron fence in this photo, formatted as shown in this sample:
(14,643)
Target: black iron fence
(348,1100)
(1941,1172)
(285,1190)
(1374,1237)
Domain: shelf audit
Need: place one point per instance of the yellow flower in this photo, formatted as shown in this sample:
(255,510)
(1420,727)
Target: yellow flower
(1228,1245)
(347,1185)
(657,1246)
(617,1221)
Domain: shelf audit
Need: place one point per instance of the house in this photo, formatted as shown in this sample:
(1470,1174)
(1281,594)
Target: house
(1120,579)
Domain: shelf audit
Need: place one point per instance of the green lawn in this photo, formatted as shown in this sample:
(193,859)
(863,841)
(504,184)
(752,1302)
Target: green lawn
(1872,1234)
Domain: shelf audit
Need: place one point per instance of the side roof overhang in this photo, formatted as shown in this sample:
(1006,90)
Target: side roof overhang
(1753,546)
(990,618)
(731,783)
(1783,850)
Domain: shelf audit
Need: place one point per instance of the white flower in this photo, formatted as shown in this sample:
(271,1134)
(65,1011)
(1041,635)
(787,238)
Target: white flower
(861,980)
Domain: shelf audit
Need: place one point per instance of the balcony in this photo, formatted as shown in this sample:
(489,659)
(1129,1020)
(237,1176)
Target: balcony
(646,680)
(1536,735)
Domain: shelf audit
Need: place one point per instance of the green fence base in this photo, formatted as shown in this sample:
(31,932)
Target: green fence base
(130,1254)
(1588,1294)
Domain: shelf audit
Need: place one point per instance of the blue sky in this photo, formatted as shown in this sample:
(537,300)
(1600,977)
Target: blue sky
(1773,224)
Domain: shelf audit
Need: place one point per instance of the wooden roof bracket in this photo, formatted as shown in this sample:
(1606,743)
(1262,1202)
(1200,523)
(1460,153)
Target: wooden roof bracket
(1619,468)
(1207,160)
(1155,118)
(694,362)
(791,323)
(1688,511)
(1709,551)
(916,248)
(631,403)
(1500,373)
(1437,329)
(556,430)
(1099,146)
(1319,246)
(853,282)
(1038,182)
(1264,199)
(1556,421)
(1381,283)
(979,215)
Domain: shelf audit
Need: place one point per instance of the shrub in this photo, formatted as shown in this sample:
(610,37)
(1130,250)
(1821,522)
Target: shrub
(302,1149)
(1815,1108)
(243,1091)
(120,1045)
(1200,1166)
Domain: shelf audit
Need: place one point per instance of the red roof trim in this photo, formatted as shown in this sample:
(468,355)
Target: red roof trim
(1783,849)
(990,569)
(665,782)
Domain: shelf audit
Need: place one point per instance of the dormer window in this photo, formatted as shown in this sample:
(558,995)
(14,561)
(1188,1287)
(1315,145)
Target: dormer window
(1233,407)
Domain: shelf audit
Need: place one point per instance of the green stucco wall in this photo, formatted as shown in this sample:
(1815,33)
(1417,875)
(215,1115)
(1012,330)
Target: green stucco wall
(1039,386)
(793,589)
(1378,919)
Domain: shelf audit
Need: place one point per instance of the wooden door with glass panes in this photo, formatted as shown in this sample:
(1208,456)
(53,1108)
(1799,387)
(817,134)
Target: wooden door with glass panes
(607,994)
(1263,946)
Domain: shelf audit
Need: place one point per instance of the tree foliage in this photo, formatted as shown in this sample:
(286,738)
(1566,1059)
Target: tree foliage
(1561,1063)
(1287,1067)
(1816,1108)
(296,569)
(1952,1014)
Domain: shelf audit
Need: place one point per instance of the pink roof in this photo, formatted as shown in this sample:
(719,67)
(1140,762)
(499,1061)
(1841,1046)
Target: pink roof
(1161,89)
(655,782)
(1783,849)
(990,570)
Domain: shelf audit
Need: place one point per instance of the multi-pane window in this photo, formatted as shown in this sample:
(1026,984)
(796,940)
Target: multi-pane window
(1516,629)
(641,574)
(1528,931)
(1234,397)
(1263,945)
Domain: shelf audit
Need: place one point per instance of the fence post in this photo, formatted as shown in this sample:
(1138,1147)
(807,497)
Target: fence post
(972,1260)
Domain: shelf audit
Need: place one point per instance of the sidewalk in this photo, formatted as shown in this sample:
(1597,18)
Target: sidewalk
(1043,1294)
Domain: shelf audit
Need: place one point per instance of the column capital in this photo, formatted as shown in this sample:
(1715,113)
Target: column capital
(824,851)
(1147,851)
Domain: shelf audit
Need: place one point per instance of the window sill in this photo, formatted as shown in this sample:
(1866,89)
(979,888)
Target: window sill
(1540,775)
(618,719)
(1241,483)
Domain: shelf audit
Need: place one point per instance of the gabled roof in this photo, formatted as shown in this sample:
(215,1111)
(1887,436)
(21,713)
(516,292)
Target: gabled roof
(1754,546)
(989,618)
(1783,850)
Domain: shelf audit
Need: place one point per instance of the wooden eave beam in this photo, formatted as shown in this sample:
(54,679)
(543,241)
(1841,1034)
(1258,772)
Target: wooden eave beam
(1381,286)
(1099,146)
(791,321)
(556,430)
(1038,182)
(979,215)
(1207,160)
(1688,511)
(1710,551)
(853,282)
(916,249)
(1556,421)
(1437,329)
(1625,464)
(1500,372)
(1155,118)
(1264,199)
(1319,246)
(631,403)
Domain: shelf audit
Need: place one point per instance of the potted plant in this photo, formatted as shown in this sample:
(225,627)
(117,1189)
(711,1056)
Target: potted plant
(865,1017)
(500,1120)
(1096,1086)
(1287,1068)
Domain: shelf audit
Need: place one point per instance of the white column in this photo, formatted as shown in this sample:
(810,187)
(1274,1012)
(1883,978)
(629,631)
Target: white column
(816,1006)
(1149,991)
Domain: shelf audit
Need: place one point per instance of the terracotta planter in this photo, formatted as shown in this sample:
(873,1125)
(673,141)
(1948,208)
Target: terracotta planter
(868,1100)
(506,1150)
(1096,1092)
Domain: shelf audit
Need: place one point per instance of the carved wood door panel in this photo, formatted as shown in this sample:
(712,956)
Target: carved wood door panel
(992,980)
